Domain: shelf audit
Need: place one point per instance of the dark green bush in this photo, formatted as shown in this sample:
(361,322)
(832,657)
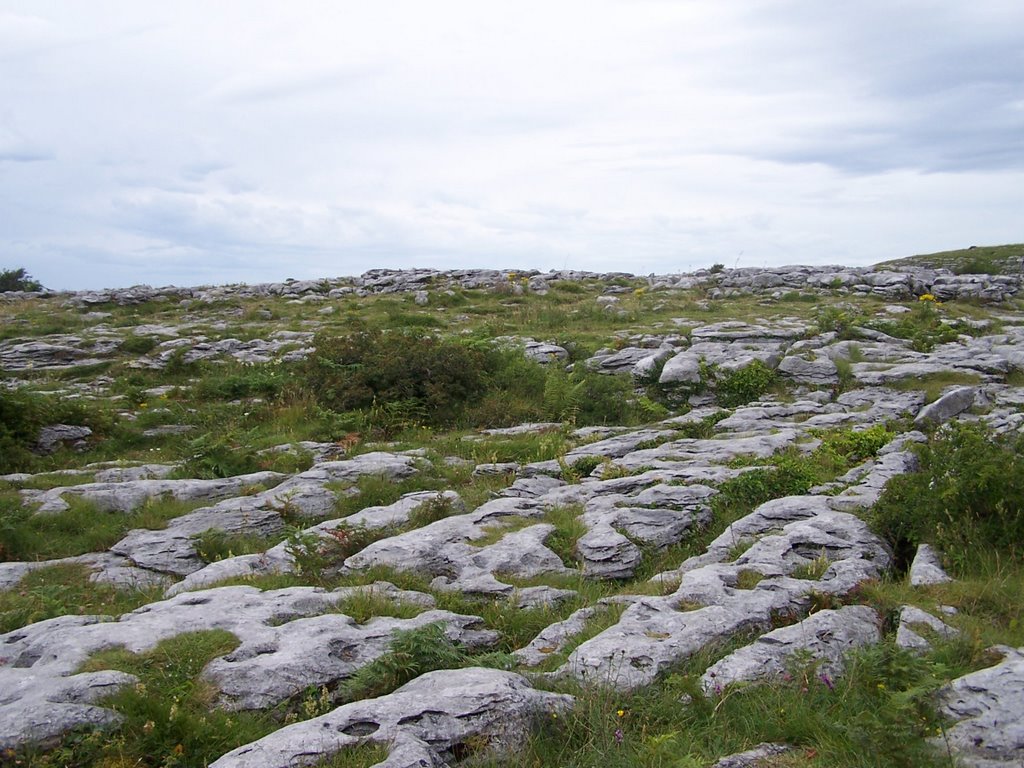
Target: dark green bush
(831,319)
(790,476)
(412,652)
(744,385)
(967,499)
(387,381)
(978,266)
(855,446)
(368,368)
(219,455)
(18,280)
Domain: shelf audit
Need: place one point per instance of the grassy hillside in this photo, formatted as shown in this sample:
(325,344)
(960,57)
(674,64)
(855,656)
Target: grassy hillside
(978,259)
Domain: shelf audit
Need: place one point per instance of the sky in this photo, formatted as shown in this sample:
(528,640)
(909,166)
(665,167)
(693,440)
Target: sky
(188,143)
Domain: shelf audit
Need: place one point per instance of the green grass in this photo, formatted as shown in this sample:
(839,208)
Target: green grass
(877,714)
(568,529)
(60,590)
(79,529)
(932,384)
(167,715)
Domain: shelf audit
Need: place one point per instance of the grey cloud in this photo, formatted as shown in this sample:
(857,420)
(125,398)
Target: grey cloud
(937,85)
(201,171)
(24,156)
(258,87)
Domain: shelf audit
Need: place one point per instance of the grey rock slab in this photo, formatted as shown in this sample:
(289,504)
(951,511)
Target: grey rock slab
(658,528)
(704,452)
(495,468)
(274,664)
(769,517)
(652,635)
(544,353)
(445,551)
(736,330)
(682,368)
(554,638)
(138,472)
(926,568)
(819,371)
(172,550)
(826,636)
(399,512)
(278,559)
(685,367)
(55,436)
(607,554)
(289,639)
(523,429)
(129,495)
(914,621)
(45,356)
(40,714)
(761,756)
(533,487)
(950,404)
(104,567)
(657,632)
(764,417)
(441,709)
(392,466)
(618,445)
(987,706)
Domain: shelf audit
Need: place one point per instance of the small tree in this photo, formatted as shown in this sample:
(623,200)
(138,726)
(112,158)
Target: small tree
(18,280)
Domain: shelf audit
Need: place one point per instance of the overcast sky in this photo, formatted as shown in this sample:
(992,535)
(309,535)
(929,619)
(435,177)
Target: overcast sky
(180,142)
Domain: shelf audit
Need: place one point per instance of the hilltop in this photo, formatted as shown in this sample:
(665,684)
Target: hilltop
(986,259)
(733,517)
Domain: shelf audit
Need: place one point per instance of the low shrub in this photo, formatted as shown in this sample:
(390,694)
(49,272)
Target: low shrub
(386,382)
(17,280)
(412,653)
(739,387)
(430,377)
(967,499)
(922,326)
(235,382)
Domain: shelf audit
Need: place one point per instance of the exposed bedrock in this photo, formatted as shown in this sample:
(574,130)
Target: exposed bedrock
(426,719)
(289,639)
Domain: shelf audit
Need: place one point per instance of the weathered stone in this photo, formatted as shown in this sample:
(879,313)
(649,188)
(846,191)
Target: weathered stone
(554,637)
(760,756)
(288,642)
(926,569)
(129,495)
(913,621)
(987,706)
(819,371)
(946,407)
(825,636)
(280,559)
(61,435)
(438,710)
